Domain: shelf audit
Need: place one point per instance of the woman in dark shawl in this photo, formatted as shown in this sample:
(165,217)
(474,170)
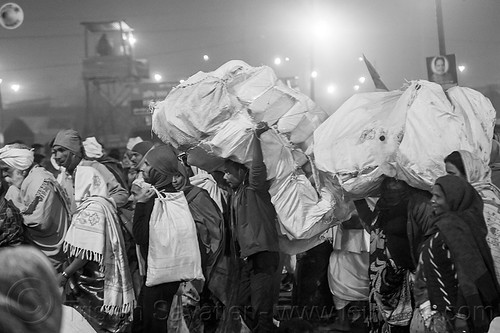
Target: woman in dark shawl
(456,288)
(154,302)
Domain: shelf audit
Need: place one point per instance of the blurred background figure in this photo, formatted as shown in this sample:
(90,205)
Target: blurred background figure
(30,299)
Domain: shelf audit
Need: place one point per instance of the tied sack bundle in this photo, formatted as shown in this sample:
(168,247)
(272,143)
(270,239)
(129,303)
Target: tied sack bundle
(436,125)
(358,142)
(173,254)
(211,117)
(403,134)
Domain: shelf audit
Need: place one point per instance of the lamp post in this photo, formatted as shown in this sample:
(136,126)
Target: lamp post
(1,116)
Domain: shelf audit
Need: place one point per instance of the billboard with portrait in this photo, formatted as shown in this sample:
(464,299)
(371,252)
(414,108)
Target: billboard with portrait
(442,69)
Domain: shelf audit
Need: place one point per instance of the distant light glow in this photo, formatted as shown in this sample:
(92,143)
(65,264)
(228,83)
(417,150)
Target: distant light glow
(330,89)
(356,87)
(314,74)
(132,40)
(362,79)
(320,29)
(287,59)
(461,68)
(157,77)
(15,87)
(360,58)
(206,57)
(182,81)
(277,61)
(1,81)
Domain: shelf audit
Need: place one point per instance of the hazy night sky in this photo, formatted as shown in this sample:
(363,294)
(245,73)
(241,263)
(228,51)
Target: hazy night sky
(44,55)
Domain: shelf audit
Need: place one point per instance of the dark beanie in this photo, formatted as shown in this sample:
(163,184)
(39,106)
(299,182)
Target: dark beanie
(142,147)
(163,159)
(69,139)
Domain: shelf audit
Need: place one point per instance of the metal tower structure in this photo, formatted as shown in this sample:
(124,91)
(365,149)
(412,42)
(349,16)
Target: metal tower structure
(111,74)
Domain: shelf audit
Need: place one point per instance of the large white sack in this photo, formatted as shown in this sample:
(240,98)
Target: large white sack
(480,117)
(434,128)
(196,108)
(357,143)
(268,99)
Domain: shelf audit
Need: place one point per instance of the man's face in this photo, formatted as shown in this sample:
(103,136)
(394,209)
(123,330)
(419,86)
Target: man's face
(65,158)
(13,177)
(233,176)
(135,158)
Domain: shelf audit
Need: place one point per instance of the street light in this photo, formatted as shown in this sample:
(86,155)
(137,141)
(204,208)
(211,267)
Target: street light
(15,87)
(319,30)
(277,61)
(362,79)
(1,115)
(206,57)
(461,68)
(157,77)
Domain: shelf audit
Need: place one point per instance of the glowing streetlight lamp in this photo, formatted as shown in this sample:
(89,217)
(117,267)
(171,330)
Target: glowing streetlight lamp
(15,87)
(461,68)
(157,77)
(356,87)
(277,61)
(287,59)
(362,79)
(360,58)
(132,40)
(330,89)
(314,74)
(206,57)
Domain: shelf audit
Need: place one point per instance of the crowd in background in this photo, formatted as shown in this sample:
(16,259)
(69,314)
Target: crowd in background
(86,221)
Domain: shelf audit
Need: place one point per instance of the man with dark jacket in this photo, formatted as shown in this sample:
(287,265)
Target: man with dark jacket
(253,227)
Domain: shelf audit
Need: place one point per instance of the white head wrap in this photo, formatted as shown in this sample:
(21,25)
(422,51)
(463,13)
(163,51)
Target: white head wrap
(18,158)
(133,141)
(93,149)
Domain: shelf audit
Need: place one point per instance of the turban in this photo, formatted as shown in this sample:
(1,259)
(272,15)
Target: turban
(93,149)
(69,139)
(143,147)
(18,158)
(133,141)
(163,159)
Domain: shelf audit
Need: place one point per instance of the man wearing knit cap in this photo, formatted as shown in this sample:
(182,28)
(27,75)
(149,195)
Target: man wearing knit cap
(69,153)
(138,152)
(41,200)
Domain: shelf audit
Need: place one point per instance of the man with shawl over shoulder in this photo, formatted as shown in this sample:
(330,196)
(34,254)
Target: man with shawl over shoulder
(99,271)
(455,288)
(40,199)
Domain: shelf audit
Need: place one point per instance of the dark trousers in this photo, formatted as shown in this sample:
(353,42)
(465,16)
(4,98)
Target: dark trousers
(154,307)
(256,289)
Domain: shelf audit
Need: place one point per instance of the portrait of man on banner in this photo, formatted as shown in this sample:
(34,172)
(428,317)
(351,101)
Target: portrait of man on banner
(442,69)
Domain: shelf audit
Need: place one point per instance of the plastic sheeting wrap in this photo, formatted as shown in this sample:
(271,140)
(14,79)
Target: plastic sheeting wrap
(211,116)
(404,134)
(357,143)
(436,126)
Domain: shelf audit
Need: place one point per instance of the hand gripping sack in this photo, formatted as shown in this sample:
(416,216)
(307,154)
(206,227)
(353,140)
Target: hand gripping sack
(174,254)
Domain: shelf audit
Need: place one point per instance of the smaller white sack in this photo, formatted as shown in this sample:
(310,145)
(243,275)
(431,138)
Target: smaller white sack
(174,254)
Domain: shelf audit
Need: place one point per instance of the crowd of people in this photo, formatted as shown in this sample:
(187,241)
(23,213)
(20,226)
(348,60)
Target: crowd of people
(92,226)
